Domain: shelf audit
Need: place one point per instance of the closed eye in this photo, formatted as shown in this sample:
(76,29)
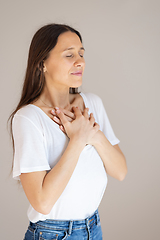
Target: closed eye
(81,55)
(69,56)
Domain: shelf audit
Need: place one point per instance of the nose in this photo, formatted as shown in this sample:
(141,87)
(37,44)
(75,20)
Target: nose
(80,62)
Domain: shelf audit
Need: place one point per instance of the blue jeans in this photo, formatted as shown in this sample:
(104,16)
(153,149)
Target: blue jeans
(87,229)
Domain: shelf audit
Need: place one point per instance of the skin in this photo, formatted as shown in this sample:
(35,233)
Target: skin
(69,112)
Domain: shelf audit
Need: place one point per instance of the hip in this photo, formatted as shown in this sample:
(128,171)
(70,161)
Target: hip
(86,229)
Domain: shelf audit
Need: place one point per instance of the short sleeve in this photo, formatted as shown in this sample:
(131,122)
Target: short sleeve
(105,125)
(96,106)
(103,120)
(29,144)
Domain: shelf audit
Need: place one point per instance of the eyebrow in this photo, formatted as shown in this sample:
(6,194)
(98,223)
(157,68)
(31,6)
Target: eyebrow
(71,48)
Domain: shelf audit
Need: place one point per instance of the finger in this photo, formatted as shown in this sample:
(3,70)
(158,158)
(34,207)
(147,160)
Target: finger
(57,120)
(68,113)
(92,119)
(77,111)
(85,113)
(53,112)
(70,119)
(62,117)
(62,128)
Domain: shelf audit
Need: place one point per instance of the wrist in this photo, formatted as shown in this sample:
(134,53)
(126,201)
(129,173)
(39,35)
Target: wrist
(97,138)
(77,143)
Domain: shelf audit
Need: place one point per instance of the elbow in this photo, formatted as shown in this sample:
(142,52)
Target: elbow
(123,171)
(122,175)
(121,178)
(44,211)
(42,208)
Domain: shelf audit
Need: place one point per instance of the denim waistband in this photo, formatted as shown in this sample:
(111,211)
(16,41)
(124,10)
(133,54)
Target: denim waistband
(67,225)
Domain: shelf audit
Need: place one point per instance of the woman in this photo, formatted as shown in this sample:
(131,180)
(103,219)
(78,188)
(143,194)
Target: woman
(63,142)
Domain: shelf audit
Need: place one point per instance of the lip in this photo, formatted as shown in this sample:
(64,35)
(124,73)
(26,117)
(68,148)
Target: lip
(78,73)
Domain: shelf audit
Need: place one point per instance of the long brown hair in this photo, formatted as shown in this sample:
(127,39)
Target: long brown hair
(44,40)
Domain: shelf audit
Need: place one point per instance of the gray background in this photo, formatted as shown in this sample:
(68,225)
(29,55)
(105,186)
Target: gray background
(122,40)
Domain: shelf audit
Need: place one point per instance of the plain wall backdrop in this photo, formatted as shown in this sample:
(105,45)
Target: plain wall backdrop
(121,38)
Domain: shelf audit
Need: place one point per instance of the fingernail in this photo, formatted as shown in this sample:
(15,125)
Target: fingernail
(58,111)
(55,118)
(56,108)
(52,111)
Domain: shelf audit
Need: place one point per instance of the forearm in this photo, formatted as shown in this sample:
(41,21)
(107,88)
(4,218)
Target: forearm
(56,180)
(113,160)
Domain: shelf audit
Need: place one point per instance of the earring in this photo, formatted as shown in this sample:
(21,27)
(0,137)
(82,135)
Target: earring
(44,69)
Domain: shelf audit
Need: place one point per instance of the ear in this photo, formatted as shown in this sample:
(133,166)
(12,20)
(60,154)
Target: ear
(44,68)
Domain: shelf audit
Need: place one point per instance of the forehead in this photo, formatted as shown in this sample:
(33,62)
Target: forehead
(67,40)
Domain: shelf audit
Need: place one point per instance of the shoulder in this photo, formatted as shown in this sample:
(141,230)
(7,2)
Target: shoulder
(29,111)
(92,98)
(27,116)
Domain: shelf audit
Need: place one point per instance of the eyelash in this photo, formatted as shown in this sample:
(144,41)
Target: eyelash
(72,56)
(69,56)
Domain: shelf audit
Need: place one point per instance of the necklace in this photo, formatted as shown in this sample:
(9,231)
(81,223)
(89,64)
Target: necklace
(46,104)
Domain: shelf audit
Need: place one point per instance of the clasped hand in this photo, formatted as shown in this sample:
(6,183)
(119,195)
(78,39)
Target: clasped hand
(76,124)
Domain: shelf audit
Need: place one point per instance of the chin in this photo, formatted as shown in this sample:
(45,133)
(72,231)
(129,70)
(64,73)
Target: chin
(78,84)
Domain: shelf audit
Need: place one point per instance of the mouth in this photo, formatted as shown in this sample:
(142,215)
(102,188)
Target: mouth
(78,73)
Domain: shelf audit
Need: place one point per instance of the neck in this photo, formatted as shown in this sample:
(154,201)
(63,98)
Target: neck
(53,97)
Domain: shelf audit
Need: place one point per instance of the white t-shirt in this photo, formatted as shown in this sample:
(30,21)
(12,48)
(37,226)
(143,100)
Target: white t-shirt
(39,144)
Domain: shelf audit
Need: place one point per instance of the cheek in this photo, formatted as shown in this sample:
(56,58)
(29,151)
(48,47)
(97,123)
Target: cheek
(67,66)
(68,62)
(60,69)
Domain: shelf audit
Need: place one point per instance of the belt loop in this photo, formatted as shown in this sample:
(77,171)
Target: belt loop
(87,228)
(70,227)
(97,218)
(87,223)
